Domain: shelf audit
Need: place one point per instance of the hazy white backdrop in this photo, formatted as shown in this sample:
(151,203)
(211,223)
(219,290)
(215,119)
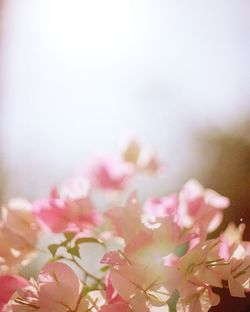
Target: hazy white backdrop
(80,76)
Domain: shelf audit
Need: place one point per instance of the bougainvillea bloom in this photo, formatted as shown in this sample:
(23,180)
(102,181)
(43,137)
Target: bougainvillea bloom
(161,207)
(74,209)
(57,289)
(151,256)
(110,173)
(201,206)
(18,235)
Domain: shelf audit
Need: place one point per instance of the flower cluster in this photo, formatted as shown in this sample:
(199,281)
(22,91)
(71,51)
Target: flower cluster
(154,256)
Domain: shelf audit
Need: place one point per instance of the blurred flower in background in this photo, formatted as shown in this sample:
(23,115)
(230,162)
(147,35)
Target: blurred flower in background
(79,77)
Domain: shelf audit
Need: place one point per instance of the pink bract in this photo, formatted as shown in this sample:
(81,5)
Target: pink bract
(9,284)
(110,173)
(59,215)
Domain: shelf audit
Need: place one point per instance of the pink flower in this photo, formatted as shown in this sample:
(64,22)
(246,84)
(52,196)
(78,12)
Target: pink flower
(161,207)
(194,296)
(111,173)
(201,262)
(200,300)
(151,245)
(113,301)
(59,214)
(18,234)
(139,286)
(57,289)
(237,272)
(9,284)
(201,206)
(52,213)
(138,274)
(230,239)
(127,220)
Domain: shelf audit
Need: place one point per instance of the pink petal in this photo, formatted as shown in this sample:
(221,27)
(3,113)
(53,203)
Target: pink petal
(113,258)
(9,284)
(59,286)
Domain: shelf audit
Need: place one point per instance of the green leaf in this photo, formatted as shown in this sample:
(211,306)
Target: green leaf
(69,236)
(86,290)
(84,240)
(105,268)
(181,250)
(74,251)
(64,243)
(53,249)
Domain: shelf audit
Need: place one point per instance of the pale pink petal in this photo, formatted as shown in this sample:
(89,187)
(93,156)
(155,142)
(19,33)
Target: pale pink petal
(161,207)
(112,258)
(235,288)
(139,302)
(59,287)
(110,173)
(51,214)
(124,287)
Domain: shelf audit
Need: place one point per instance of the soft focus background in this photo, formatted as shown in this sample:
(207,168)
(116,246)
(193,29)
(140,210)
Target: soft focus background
(80,77)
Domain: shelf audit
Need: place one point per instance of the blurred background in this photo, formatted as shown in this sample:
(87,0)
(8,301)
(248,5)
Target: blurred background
(80,77)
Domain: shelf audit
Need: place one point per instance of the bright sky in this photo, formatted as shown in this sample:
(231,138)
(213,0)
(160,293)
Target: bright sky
(79,76)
